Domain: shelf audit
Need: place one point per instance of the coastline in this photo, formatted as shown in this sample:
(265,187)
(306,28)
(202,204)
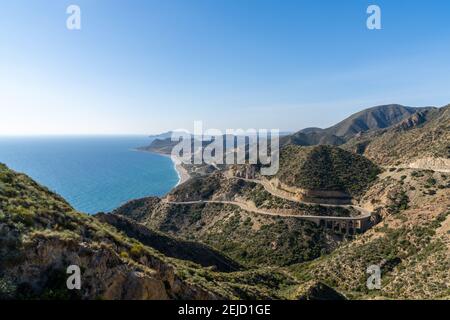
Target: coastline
(182,173)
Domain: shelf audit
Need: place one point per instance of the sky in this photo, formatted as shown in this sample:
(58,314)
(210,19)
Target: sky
(143,67)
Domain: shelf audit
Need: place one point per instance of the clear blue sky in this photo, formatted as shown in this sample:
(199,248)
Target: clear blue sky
(149,66)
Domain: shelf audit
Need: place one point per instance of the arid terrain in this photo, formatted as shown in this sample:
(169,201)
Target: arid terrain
(372,190)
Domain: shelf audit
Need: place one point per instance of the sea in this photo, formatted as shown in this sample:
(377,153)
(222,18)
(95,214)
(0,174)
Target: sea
(93,173)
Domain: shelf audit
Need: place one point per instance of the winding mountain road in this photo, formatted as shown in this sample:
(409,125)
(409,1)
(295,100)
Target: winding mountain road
(246,207)
(283,194)
(364,213)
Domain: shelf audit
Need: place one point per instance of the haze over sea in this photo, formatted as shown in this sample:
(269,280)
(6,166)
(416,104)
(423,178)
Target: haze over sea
(93,173)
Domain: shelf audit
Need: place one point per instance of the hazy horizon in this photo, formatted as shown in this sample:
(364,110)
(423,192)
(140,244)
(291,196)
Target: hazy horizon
(142,68)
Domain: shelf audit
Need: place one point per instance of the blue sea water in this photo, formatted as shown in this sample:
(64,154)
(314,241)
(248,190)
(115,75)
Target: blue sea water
(92,173)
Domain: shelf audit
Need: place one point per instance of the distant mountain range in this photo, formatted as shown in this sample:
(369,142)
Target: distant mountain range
(168,135)
(423,137)
(412,133)
(369,119)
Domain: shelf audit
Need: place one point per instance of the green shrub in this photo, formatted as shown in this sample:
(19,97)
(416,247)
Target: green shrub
(400,202)
(136,251)
(22,215)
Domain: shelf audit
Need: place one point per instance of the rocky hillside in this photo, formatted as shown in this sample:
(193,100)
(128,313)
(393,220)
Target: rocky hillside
(423,137)
(170,246)
(253,240)
(411,245)
(41,235)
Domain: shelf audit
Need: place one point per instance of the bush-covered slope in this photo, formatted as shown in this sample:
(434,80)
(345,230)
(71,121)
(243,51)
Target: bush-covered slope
(252,239)
(424,135)
(326,168)
(41,235)
(411,245)
(170,246)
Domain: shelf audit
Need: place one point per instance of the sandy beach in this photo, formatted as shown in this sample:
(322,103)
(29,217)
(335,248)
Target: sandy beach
(182,174)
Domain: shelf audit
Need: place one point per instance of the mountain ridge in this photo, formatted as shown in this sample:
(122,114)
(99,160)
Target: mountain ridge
(423,135)
(373,118)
